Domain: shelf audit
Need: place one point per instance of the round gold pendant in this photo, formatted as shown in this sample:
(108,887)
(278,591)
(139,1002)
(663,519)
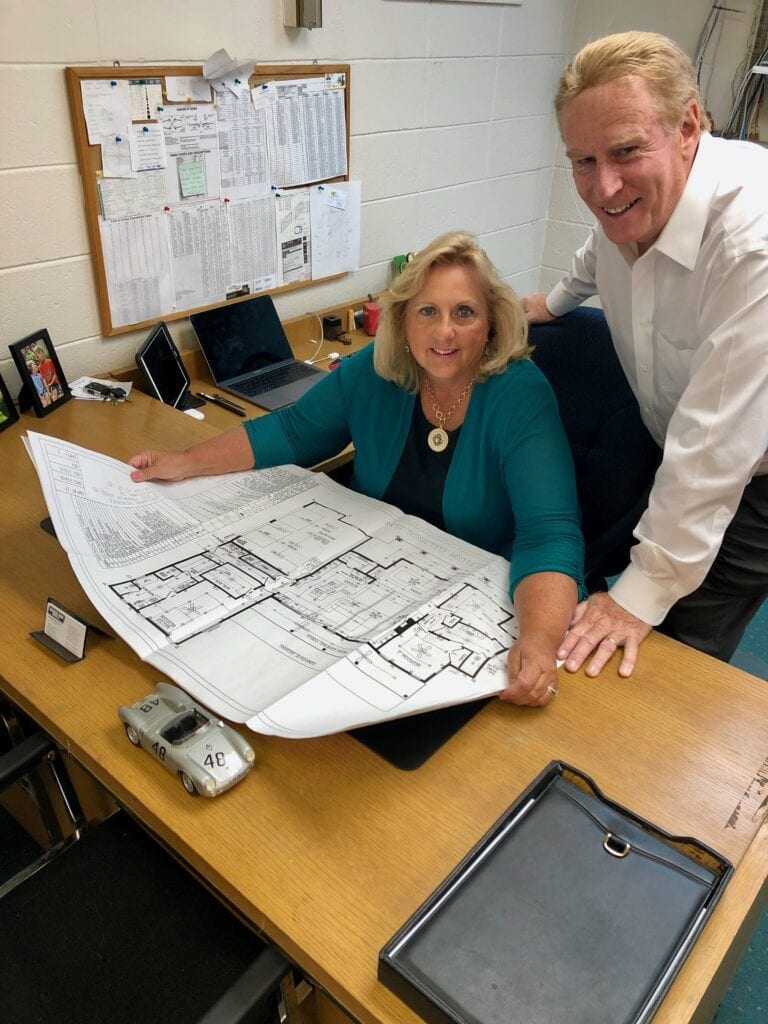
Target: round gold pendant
(437,439)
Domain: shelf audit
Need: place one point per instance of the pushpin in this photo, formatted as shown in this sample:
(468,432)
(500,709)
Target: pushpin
(118,138)
(145,128)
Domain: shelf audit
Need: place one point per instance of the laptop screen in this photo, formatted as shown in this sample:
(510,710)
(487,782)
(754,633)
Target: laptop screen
(241,338)
(160,362)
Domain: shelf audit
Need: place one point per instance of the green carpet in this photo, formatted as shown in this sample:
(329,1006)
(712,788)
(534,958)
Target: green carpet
(746,1001)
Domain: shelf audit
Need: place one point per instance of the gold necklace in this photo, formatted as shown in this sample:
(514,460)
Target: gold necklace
(437,438)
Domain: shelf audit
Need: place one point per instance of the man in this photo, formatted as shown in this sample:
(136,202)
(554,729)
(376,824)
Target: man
(679,259)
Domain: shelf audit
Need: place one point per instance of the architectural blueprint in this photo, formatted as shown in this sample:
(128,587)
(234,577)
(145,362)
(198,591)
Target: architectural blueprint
(278,598)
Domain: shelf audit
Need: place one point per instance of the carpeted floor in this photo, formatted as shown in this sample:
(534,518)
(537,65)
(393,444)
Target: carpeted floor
(746,1001)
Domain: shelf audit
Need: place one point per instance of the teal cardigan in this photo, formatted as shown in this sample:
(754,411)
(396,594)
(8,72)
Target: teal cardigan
(510,488)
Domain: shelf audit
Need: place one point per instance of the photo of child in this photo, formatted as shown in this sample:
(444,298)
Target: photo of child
(42,372)
(45,386)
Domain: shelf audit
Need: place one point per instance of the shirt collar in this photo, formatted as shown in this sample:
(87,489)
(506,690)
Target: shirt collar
(681,238)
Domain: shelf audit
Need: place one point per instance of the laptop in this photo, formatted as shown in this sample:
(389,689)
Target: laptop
(164,373)
(248,353)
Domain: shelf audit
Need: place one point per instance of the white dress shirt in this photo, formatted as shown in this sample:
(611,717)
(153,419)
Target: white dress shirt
(689,320)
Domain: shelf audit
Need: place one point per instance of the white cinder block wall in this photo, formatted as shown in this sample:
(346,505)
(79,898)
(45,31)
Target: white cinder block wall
(683,21)
(451,126)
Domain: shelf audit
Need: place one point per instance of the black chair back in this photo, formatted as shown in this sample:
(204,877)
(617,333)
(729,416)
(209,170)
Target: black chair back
(614,455)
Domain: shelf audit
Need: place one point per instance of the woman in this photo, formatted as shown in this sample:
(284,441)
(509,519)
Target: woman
(451,422)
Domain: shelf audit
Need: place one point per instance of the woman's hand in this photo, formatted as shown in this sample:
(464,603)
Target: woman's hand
(225,453)
(532,671)
(544,605)
(154,465)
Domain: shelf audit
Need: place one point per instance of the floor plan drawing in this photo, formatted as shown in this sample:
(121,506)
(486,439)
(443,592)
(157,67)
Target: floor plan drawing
(280,598)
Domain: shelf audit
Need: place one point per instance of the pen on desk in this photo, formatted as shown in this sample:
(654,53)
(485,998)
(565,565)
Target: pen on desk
(223,402)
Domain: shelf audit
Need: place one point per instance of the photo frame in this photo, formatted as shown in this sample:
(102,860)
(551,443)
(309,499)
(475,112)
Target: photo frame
(44,386)
(8,411)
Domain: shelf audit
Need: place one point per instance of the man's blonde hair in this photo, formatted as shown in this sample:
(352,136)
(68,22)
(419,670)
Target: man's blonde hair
(665,67)
(508,325)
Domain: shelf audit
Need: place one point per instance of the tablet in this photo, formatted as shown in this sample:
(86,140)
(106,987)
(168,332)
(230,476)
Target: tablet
(165,375)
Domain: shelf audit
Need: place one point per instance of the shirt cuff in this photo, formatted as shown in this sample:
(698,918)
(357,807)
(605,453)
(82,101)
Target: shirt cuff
(642,597)
(560,301)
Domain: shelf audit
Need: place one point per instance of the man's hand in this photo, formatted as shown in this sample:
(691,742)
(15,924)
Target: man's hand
(532,671)
(535,307)
(601,625)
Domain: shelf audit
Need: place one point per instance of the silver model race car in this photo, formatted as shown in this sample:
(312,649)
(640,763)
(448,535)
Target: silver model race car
(206,754)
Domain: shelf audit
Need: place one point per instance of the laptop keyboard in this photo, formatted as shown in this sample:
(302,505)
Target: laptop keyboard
(274,379)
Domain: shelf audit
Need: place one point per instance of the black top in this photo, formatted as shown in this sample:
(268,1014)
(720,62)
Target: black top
(418,482)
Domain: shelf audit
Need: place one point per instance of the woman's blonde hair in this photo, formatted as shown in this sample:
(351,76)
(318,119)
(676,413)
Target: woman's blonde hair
(665,67)
(508,326)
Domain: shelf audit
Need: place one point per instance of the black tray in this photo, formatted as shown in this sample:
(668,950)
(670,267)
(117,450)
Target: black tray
(570,910)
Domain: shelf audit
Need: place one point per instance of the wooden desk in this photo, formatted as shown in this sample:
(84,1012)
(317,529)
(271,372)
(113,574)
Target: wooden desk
(326,847)
(300,333)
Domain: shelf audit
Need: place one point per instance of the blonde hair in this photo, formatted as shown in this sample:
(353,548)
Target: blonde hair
(508,325)
(665,67)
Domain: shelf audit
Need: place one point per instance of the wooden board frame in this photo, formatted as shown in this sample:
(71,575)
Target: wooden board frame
(89,161)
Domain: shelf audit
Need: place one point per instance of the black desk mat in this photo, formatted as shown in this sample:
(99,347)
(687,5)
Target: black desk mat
(408,742)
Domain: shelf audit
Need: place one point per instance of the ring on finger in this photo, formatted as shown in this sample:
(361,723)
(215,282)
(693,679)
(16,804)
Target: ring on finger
(552,691)
(611,641)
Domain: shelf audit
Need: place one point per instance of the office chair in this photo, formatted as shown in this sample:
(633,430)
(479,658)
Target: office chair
(614,455)
(107,926)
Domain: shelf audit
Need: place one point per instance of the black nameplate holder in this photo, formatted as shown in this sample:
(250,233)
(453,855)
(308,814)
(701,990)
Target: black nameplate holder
(64,633)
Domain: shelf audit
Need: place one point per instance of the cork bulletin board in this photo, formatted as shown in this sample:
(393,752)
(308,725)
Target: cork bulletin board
(198,195)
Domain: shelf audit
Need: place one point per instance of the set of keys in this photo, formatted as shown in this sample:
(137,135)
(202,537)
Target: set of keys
(107,393)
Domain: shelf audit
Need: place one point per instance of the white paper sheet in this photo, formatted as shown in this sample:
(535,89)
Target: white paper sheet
(138,268)
(116,156)
(190,139)
(252,240)
(181,89)
(306,129)
(279,598)
(228,73)
(335,216)
(146,98)
(131,197)
(199,252)
(106,107)
(242,147)
(294,236)
(147,147)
